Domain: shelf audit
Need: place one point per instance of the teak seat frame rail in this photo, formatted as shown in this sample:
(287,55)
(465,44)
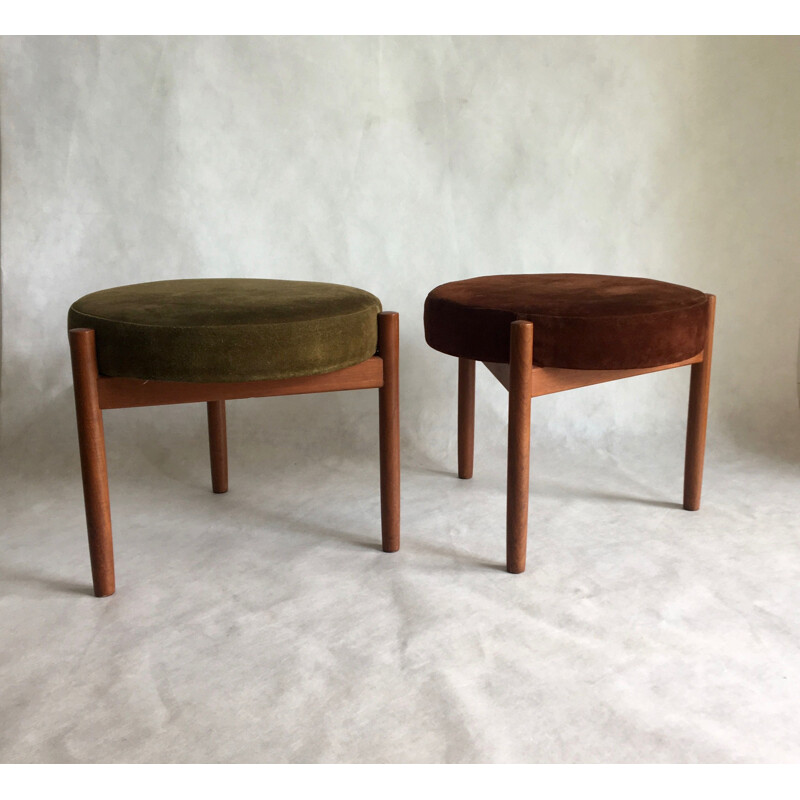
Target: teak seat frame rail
(95,393)
(524,382)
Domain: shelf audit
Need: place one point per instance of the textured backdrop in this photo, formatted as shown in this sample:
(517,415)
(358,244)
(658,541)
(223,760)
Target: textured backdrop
(396,164)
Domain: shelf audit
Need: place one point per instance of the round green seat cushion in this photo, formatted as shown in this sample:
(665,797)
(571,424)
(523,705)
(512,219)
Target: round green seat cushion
(228,329)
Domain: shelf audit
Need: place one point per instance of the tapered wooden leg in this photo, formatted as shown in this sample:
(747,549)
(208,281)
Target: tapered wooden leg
(389,412)
(218,445)
(94,470)
(466,416)
(698,417)
(519,444)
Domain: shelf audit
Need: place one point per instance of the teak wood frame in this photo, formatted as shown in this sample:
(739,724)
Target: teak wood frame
(524,382)
(94,393)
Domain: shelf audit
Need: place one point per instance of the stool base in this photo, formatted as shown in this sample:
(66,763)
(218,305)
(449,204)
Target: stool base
(524,382)
(95,393)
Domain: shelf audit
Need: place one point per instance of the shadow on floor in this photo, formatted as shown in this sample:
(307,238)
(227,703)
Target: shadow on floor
(25,579)
(556,490)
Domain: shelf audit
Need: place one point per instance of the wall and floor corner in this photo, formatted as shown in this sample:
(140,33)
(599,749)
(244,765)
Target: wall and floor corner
(395,164)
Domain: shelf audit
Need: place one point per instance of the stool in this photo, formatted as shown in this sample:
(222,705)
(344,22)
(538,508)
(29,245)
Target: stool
(540,334)
(212,340)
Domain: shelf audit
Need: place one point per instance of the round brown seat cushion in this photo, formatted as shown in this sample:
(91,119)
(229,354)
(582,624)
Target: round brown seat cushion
(579,321)
(228,329)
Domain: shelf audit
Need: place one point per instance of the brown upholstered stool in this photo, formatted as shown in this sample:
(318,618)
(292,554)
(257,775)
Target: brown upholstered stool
(540,334)
(212,340)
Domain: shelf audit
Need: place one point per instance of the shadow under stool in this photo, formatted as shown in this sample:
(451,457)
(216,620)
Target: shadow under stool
(539,334)
(212,340)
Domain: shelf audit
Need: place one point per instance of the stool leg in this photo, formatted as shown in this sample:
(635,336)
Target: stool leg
(91,441)
(698,417)
(218,445)
(466,416)
(519,444)
(389,413)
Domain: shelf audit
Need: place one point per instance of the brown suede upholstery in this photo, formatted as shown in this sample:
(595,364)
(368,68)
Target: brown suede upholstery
(228,329)
(579,321)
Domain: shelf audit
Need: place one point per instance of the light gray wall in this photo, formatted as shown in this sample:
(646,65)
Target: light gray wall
(396,164)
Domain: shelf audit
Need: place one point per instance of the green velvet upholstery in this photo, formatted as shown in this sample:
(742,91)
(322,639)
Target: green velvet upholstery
(580,321)
(228,329)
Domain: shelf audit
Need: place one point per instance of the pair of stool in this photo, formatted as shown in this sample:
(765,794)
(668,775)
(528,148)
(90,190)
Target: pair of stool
(212,340)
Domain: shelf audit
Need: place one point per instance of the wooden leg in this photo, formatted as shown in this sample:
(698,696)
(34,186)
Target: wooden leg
(94,470)
(519,443)
(389,412)
(218,446)
(466,416)
(698,416)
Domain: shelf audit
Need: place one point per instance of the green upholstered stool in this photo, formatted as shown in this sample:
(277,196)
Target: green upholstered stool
(212,340)
(540,334)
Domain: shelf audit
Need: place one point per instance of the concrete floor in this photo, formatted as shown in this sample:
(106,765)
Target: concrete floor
(265,624)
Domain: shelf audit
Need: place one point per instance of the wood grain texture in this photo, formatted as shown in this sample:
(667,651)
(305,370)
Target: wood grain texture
(549,380)
(519,443)
(389,430)
(466,416)
(218,446)
(133,392)
(699,386)
(389,423)
(546,380)
(94,470)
